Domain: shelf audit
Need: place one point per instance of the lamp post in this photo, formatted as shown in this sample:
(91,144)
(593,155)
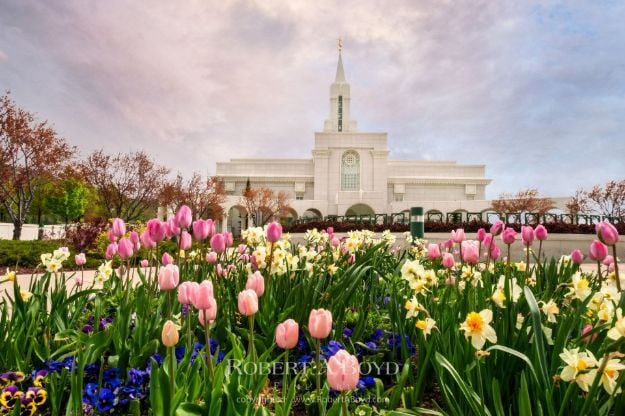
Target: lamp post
(416,223)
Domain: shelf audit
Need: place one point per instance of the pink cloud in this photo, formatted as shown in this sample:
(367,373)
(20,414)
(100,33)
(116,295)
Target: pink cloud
(3,56)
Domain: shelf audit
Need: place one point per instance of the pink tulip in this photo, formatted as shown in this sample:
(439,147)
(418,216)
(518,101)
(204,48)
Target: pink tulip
(211,257)
(111,236)
(448,244)
(242,249)
(118,227)
(588,338)
(330,230)
(172,227)
(434,251)
(488,240)
(200,230)
(146,241)
(135,240)
(156,229)
(211,313)
(201,294)
(608,260)
(497,228)
(229,239)
(607,233)
(166,259)
(481,233)
(598,251)
(343,371)
(185,241)
(144,263)
(111,250)
(335,242)
(248,302)
(183,217)
(274,232)
(448,260)
(287,334)
(470,253)
(185,292)
(218,243)
(256,282)
(457,236)
(168,277)
(320,323)
(577,257)
(495,252)
(508,236)
(540,232)
(124,248)
(211,227)
(80,259)
(527,235)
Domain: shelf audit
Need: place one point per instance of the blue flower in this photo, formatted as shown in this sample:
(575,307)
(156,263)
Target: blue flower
(347,332)
(366,382)
(332,348)
(137,376)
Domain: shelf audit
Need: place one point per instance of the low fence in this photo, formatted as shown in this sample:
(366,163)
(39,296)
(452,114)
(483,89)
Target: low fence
(32,231)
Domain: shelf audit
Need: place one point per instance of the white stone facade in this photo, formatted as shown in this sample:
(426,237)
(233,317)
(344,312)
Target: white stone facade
(350,174)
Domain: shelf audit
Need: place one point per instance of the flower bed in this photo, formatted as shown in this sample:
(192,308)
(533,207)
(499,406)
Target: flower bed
(353,325)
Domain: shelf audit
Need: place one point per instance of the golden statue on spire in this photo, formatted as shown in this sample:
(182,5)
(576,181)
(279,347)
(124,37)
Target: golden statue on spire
(340,39)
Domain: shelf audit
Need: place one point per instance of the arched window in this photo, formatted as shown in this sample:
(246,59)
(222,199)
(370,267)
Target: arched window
(350,171)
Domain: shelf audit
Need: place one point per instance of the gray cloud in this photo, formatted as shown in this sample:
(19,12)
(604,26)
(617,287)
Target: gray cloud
(532,90)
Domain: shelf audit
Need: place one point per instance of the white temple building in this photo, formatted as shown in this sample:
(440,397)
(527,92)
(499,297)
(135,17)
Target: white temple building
(350,174)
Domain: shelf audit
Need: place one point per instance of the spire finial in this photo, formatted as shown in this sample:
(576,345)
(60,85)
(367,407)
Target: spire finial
(340,39)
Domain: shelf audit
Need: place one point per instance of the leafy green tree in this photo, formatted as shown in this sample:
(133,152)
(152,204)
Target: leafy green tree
(68,200)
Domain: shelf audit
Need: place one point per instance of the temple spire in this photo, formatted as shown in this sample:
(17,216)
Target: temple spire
(340,120)
(340,73)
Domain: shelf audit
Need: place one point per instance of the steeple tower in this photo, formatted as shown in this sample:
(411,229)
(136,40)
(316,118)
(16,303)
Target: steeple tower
(340,120)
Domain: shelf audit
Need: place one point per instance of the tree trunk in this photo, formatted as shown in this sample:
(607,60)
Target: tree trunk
(17,230)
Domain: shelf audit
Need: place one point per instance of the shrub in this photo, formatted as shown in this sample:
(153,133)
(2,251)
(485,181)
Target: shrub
(25,253)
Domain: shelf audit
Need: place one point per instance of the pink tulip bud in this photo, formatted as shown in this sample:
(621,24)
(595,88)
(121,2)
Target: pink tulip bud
(588,339)
(335,242)
(470,253)
(218,243)
(448,260)
(146,241)
(488,240)
(211,257)
(200,230)
(80,259)
(144,263)
(598,251)
(608,260)
(343,371)
(497,228)
(185,241)
(248,302)
(481,233)
(577,257)
(111,236)
(111,250)
(124,248)
(242,249)
(448,244)
(320,323)
(256,282)
(540,232)
(607,233)
(118,227)
(78,281)
(508,236)
(185,292)
(287,334)
(166,259)
(527,235)
(157,230)
(168,277)
(495,252)
(434,251)
(211,313)
(229,239)
(172,227)
(457,236)
(274,232)
(169,336)
(201,295)
(330,230)
(183,217)
(135,240)
(351,259)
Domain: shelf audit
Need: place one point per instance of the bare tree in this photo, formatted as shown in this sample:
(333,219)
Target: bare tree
(264,205)
(31,153)
(605,200)
(204,196)
(578,204)
(127,184)
(524,201)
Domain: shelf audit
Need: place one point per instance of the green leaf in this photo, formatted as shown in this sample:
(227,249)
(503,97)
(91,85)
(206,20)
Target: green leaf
(525,406)
(539,340)
(471,397)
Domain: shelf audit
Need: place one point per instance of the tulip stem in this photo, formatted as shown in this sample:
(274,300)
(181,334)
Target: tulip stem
(189,335)
(285,377)
(540,249)
(318,359)
(344,404)
(527,263)
(209,359)
(618,279)
(172,358)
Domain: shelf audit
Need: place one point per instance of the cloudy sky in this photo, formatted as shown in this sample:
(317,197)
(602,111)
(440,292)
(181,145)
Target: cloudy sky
(535,91)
